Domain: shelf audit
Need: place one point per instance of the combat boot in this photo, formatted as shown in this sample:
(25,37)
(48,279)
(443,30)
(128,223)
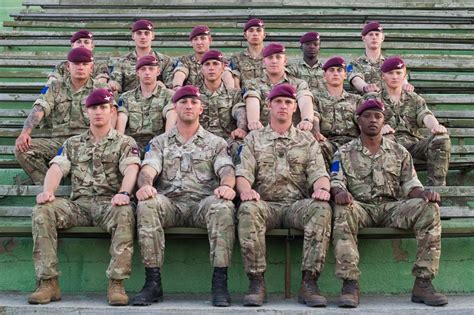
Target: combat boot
(220,294)
(349,294)
(309,292)
(257,292)
(116,293)
(424,292)
(152,291)
(47,291)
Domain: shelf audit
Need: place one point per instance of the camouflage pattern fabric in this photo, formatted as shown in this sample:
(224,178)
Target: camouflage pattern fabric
(246,67)
(191,67)
(312,75)
(365,69)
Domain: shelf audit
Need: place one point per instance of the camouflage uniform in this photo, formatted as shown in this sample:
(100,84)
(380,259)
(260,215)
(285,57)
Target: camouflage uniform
(96,176)
(145,115)
(188,174)
(191,67)
(125,75)
(380,185)
(312,75)
(65,110)
(100,71)
(246,67)
(261,87)
(406,118)
(282,169)
(367,70)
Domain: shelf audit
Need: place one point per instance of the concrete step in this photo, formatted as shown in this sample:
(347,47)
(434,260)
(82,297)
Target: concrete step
(200,304)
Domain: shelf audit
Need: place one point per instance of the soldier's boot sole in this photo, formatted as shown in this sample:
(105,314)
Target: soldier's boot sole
(314,302)
(33,300)
(441,301)
(221,303)
(147,303)
(347,302)
(250,300)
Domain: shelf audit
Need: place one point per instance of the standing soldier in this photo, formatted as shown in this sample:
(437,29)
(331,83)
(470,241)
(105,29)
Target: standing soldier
(140,113)
(124,77)
(63,103)
(247,65)
(282,182)
(104,167)
(405,114)
(374,183)
(194,187)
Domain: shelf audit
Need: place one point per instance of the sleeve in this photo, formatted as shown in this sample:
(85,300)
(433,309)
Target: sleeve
(253,90)
(293,71)
(316,166)
(302,89)
(248,165)
(123,105)
(101,71)
(222,158)
(46,99)
(130,155)
(182,66)
(408,177)
(154,155)
(354,70)
(234,66)
(338,179)
(117,72)
(62,159)
(317,108)
(421,110)
(166,67)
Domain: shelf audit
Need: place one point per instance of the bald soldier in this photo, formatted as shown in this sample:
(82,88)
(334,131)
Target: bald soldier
(405,114)
(84,39)
(140,113)
(364,72)
(282,182)
(124,77)
(194,186)
(103,167)
(247,65)
(374,183)
(63,104)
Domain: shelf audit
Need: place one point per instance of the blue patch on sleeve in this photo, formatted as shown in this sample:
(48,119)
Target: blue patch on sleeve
(60,151)
(349,68)
(44,89)
(239,150)
(243,91)
(232,66)
(335,167)
(120,102)
(147,148)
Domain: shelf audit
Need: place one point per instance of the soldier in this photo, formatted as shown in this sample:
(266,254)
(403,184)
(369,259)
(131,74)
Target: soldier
(187,69)
(140,113)
(257,91)
(194,187)
(247,65)
(374,183)
(282,182)
(104,167)
(309,68)
(364,72)
(62,102)
(334,111)
(405,114)
(124,77)
(85,39)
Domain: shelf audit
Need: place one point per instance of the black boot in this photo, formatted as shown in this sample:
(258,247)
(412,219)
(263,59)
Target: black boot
(220,294)
(151,291)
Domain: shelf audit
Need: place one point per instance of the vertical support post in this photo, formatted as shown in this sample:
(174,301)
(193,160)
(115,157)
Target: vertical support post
(287,268)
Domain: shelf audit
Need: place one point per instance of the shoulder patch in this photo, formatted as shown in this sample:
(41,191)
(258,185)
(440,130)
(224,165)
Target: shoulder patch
(349,68)
(239,150)
(44,89)
(243,91)
(60,151)
(120,102)
(148,147)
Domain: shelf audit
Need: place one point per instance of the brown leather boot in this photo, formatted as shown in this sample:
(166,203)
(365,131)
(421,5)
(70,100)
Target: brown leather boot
(349,294)
(424,292)
(47,291)
(116,293)
(257,294)
(309,292)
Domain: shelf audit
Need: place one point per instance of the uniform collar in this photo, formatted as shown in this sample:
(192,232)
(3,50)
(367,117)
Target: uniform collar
(174,133)
(111,135)
(89,84)
(156,91)
(275,135)
(384,147)
(380,59)
(317,65)
(221,90)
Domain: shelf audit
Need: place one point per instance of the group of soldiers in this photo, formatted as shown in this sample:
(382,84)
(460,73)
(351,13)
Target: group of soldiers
(247,143)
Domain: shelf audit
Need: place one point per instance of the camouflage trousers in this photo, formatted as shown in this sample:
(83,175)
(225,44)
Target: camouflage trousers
(212,213)
(416,214)
(309,215)
(63,213)
(35,161)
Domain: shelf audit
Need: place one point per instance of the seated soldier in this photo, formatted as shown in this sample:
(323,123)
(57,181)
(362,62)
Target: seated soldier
(61,102)
(405,114)
(187,70)
(124,76)
(140,113)
(373,183)
(247,65)
(364,72)
(84,39)
(194,186)
(104,167)
(282,182)
(257,91)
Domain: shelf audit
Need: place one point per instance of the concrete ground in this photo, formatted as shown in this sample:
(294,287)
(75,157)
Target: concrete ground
(15,303)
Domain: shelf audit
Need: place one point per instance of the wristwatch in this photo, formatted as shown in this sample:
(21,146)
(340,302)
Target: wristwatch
(308,120)
(126,193)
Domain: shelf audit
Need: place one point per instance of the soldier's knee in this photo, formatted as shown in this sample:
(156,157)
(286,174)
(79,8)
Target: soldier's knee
(321,208)
(248,209)
(340,212)
(41,214)
(124,214)
(430,212)
(441,142)
(225,210)
(147,207)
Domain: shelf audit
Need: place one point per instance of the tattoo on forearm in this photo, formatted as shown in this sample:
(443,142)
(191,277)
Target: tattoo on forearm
(144,179)
(33,118)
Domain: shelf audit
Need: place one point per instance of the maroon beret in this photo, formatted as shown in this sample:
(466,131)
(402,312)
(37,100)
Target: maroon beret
(309,37)
(99,97)
(148,60)
(370,27)
(334,62)
(392,63)
(199,30)
(186,91)
(142,25)
(253,23)
(80,54)
(273,48)
(212,55)
(284,89)
(372,104)
(81,34)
